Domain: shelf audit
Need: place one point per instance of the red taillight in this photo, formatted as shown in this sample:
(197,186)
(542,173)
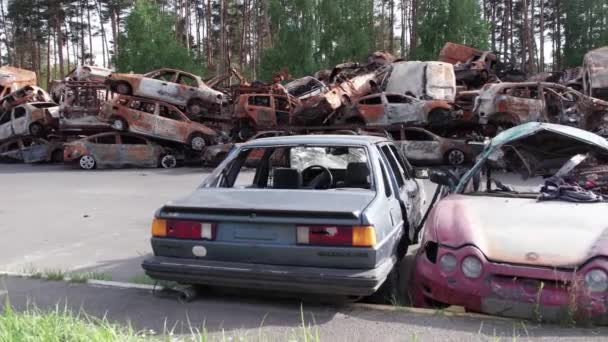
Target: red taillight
(362,236)
(193,230)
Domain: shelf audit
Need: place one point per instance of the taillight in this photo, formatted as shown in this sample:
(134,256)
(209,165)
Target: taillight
(193,230)
(360,236)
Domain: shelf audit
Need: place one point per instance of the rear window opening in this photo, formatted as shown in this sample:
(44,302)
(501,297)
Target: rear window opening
(298,168)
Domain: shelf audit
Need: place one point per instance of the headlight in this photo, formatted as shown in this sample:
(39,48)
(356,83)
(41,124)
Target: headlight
(471,267)
(448,262)
(596,280)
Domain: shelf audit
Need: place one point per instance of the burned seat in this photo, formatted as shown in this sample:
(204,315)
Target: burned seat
(286,178)
(357,176)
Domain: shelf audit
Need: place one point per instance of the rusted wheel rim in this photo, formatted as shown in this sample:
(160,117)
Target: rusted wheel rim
(87,162)
(168,162)
(456,157)
(195,109)
(198,143)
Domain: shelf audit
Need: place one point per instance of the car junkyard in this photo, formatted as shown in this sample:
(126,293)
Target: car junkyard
(445,185)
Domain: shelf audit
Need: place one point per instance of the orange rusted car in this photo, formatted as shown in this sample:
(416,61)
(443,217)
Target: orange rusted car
(173,86)
(156,119)
(255,112)
(115,149)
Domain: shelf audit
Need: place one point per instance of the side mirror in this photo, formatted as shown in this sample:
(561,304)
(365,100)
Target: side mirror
(441,178)
(421,173)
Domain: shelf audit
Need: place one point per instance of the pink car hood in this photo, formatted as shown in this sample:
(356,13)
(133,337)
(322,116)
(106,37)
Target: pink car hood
(523,231)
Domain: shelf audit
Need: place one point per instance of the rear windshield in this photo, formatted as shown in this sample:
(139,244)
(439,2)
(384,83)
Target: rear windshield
(43,105)
(295,167)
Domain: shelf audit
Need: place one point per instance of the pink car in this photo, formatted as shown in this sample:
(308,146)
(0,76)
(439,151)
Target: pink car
(522,250)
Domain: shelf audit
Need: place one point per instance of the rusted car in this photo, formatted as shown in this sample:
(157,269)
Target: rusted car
(82,73)
(80,104)
(317,111)
(115,149)
(214,155)
(11,79)
(473,67)
(23,95)
(595,73)
(510,104)
(423,148)
(158,120)
(31,150)
(306,88)
(36,119)
(528,249)
(256,112)
(389,109)
(173,86)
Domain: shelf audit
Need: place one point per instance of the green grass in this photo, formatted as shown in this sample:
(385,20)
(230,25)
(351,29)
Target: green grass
(62,324)
(144,279)
(83,277)
(54,274)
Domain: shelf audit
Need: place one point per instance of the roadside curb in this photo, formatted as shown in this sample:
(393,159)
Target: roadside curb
(452,311)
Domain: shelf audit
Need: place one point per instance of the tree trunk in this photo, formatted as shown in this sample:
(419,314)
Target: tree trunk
(104,40)
(542,36)
(59,35)
(48,60)
(209,36)
(414,30)
(403,27)
(391,42)
(89,27)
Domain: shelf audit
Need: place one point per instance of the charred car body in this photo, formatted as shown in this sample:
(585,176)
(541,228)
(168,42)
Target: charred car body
(473,67)
(497,248)
(31,150)
(173,86)
(353,203)
(157,120)
(595,73)
(510,104)
(12,79)
(116,149)
(36,119)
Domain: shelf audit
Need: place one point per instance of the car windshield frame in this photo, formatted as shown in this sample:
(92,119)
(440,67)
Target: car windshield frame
(214,179)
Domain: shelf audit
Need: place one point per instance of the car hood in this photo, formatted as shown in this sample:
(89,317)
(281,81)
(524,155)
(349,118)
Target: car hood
(347,204)
(523,231)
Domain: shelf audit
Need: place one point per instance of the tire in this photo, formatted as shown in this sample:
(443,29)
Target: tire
(57,156)
(168,161)
(87,162)
(123,88)
(197,142)
(119,124)
(195,107)
(455,157)
(36,130)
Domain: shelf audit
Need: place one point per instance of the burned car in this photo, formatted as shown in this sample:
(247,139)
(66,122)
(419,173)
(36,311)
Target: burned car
(24,95)
(173,86)
(510,104)
(329,214)
(306,88)
(36,119)
(595,73)
(12,79)
(31,150)
(116,149)
(472,67)
(389,109)
(157,120)
(527,249)
(82,74)
(422,80)
(422,147)
(255,112)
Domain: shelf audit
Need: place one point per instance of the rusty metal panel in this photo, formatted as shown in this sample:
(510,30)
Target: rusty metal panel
(595,76)
(456,53)
(434,80)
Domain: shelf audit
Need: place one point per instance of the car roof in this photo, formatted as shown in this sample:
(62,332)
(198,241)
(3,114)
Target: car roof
(317,139)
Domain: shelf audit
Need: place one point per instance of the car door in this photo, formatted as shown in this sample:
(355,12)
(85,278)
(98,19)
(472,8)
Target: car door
(136,151)
(401,109)
(161,86)
(259,108)
(169,124)
(35,150)
(524,102)
(188,87)
(420,146)
(20,121)
(371,109)
(6,126)
(104,149)
(140,116)
(408,189)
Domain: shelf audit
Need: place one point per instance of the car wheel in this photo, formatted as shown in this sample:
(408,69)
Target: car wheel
(195,107)
(197,142)
(123,88)
(455,157)
(36,130)
(119,124)
(168,161)
(87,162)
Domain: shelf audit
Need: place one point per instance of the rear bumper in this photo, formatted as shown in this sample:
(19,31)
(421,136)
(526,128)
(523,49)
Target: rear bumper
(350,282)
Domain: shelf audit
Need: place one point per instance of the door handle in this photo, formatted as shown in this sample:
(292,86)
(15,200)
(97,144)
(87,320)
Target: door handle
(164,83)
